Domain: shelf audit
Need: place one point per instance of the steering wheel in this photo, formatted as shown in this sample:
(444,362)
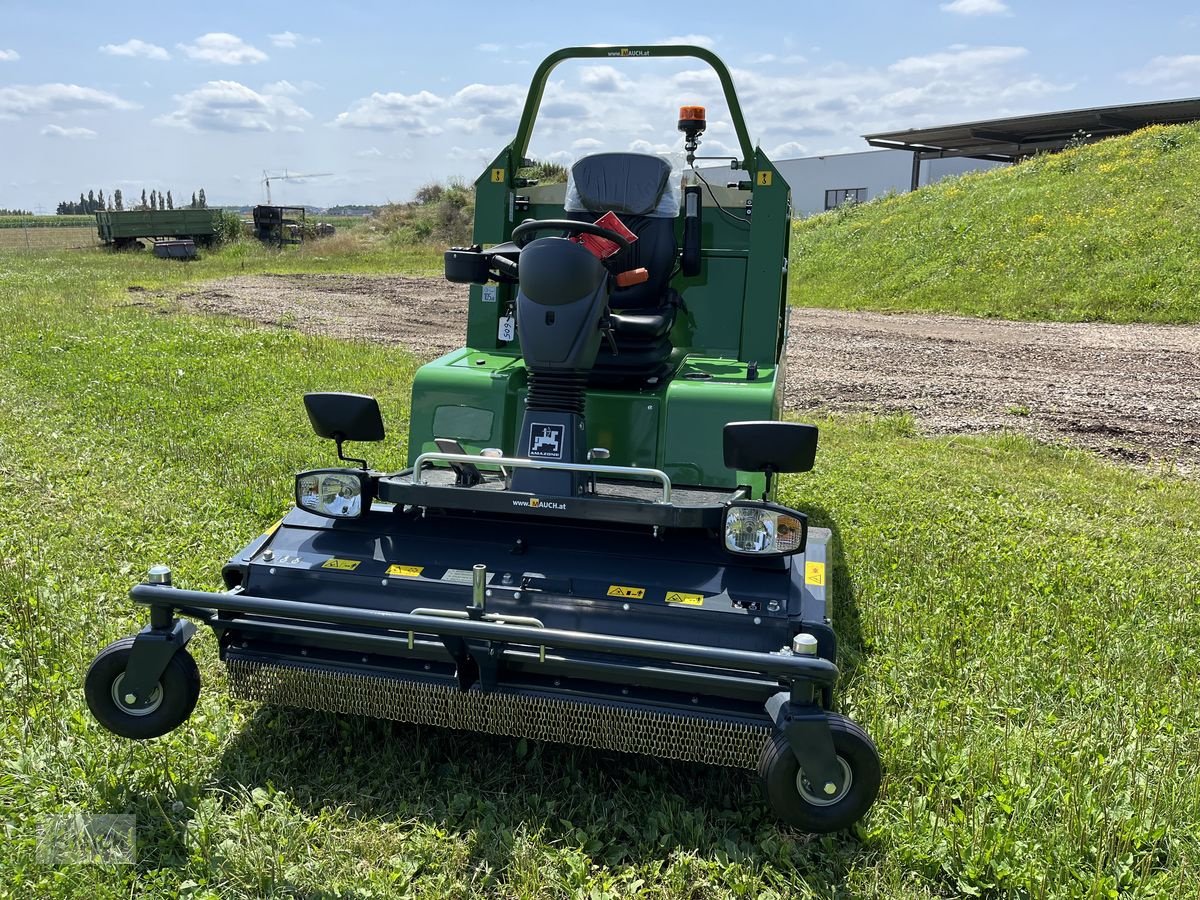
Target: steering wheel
(523,233)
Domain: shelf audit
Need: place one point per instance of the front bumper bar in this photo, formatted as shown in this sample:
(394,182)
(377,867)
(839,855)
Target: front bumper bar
(478,646)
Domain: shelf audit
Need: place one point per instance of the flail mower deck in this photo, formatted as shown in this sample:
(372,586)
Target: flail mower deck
(585,547)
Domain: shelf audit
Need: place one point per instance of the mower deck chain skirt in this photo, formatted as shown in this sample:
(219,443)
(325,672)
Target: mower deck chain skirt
(599,725)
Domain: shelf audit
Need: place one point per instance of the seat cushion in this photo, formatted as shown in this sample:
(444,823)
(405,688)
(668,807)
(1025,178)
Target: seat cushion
(650,326)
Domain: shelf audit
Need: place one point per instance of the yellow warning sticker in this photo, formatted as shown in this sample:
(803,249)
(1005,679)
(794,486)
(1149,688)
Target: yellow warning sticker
(814,573)
(405,571)
(620,590)
(681,597)
(346,565)
(497,175)
(764,179)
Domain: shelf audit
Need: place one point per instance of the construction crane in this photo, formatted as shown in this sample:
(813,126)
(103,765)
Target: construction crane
(287,176)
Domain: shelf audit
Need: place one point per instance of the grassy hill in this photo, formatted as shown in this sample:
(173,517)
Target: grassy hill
(1105,232)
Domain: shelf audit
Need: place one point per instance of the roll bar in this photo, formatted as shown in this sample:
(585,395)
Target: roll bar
(533,100)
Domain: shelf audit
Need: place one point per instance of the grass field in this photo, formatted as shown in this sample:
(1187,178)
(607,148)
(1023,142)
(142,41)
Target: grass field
(1105,232)
(1020,625)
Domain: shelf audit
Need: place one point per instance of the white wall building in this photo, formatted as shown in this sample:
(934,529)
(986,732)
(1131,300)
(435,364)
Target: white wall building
(823,182)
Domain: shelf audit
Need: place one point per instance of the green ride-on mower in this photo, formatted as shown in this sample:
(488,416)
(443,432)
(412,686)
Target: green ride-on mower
(585,547)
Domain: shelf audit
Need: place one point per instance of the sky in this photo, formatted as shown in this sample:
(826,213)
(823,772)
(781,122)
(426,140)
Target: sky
(386,97)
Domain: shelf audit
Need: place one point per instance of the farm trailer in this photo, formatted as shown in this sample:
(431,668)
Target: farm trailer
(122,230)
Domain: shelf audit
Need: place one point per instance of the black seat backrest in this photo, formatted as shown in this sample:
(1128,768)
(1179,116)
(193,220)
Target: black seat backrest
(635,186)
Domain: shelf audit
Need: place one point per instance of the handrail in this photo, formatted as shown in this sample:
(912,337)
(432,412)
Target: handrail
(533,100)
(521,463)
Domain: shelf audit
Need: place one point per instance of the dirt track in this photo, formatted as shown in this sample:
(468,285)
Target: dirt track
(1131,392)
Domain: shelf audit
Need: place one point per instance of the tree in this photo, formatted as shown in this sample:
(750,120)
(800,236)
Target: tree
(144,204)
(162,201)
(170,201)
(203,200)
(194,201)
(100,199)
(118,200)
(110,204)
(153,200)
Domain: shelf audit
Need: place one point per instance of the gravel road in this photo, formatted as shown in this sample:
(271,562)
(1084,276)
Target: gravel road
(1130,392)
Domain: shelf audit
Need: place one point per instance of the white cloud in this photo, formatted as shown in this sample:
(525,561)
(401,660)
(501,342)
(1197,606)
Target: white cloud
(699,40)
(789,150)
(369,153)
(75,133)
(9,55)
(30,99)
(976,7)
(290,39)
(231,106)
(488,48)
(958,60)
(603,79)
(136,47)
(423,114)
(1167,70)
(219,47)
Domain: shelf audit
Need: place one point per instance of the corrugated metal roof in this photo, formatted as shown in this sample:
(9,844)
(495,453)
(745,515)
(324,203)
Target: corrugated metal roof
(1012,138)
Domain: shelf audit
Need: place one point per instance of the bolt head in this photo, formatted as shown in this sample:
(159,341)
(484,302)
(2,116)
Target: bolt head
(131,699)
(830,788)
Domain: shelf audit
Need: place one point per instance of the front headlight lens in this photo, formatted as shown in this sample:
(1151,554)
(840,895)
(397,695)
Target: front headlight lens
(341,494)
(763,531)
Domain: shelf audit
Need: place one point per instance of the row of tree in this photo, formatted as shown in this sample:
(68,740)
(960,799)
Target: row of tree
(116,201)
(14,212)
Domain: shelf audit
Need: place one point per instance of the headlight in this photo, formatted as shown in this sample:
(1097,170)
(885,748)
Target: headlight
(340,493)
(761,529)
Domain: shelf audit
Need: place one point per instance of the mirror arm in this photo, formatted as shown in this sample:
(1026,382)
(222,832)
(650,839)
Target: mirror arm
(340,440)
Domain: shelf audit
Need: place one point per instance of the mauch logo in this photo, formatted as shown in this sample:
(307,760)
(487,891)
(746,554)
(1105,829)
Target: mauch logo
(625,51)
(539,503)
(545,441)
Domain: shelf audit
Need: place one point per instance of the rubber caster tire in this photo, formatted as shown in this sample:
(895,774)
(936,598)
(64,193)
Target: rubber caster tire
(176,694)
(793,799)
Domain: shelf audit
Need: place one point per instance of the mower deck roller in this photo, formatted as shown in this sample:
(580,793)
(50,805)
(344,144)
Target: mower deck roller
(585,547)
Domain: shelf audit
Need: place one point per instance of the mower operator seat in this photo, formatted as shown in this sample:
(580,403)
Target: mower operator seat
(640,189)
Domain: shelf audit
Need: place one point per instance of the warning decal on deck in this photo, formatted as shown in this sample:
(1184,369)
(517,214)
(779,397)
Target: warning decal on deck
(814,573)
(497,175)
(620,590)
(405,571)
(346,565)
(681,597)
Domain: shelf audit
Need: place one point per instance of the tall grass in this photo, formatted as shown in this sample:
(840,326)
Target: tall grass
(1104,232)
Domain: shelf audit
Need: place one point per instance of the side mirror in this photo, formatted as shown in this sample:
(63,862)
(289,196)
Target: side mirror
(344,417)
(770,447)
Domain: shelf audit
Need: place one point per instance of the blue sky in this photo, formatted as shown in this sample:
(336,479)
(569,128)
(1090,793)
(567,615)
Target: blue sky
(389,96)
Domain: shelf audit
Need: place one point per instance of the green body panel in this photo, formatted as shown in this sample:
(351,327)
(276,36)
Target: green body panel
(705,394)
(734,315)
(452,394)
(147,223)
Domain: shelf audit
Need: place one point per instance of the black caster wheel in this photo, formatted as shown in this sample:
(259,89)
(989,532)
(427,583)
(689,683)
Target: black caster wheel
(802,806)
(172,702)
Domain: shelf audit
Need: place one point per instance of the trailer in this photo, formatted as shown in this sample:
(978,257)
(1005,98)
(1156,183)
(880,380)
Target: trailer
(125,229)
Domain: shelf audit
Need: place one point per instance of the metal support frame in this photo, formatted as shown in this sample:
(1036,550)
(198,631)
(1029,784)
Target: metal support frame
(152,651)
(521,463)
(797,670)
(806,727)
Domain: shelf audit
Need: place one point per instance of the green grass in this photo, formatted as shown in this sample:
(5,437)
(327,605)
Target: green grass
(1020,628)
(47,221)
(1106,232)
